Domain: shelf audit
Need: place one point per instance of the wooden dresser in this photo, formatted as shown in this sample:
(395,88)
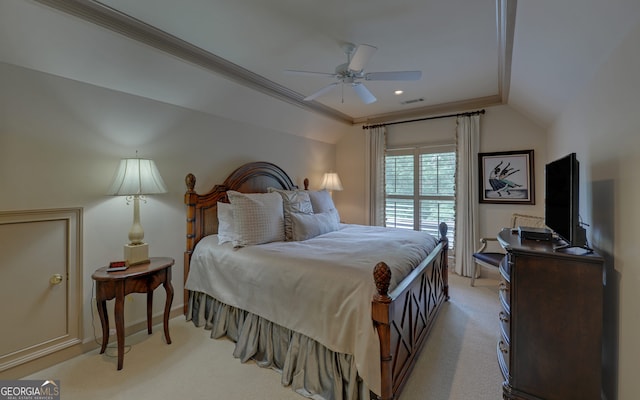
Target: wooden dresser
(550,345)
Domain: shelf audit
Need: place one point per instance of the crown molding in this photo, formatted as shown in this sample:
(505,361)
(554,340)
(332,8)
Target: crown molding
(436,109)
(116,21)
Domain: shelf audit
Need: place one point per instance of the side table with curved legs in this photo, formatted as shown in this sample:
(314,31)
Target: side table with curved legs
(140,278)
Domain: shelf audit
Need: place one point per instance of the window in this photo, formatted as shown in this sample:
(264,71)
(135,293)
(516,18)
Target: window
(420,189)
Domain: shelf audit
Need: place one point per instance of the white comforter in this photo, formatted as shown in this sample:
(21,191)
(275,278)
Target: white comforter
(321,287)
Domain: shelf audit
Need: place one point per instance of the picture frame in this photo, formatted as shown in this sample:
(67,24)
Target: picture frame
(506,177)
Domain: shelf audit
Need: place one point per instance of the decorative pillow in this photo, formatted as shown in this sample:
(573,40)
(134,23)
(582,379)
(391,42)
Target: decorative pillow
(258,218)
(226,226)
(293,201)
(321,201)
(307,226)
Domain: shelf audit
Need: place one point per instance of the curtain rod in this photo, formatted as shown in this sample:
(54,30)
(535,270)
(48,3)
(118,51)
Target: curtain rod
(466,114)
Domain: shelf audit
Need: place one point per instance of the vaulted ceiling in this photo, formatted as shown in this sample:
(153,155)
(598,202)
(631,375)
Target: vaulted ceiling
(533,55)
(455,44)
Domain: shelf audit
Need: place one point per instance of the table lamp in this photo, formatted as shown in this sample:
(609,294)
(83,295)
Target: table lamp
(135,178)
(331,181)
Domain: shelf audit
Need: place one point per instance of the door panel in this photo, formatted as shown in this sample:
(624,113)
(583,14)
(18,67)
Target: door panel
(39,283)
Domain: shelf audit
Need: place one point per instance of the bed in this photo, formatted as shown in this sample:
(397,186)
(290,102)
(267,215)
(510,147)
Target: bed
(306,317)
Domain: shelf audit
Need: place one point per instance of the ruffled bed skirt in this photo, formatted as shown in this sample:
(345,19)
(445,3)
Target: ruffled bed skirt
(308,367)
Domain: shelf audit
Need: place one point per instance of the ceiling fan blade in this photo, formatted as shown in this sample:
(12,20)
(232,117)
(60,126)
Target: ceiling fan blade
(364,93)
(321,91)
(309,73)
(393,76)
(361,57)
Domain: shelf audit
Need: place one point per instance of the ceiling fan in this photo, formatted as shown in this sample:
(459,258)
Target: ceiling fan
(352,72)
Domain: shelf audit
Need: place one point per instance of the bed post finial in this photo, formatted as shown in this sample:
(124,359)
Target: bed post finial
(443,228)
(382,276)
(190,180)
(306,183)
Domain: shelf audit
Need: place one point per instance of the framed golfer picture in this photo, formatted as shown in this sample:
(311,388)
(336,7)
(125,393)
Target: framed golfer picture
(506,177)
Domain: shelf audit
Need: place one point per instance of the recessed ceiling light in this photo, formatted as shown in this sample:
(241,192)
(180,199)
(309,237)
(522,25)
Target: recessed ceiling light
(398,92)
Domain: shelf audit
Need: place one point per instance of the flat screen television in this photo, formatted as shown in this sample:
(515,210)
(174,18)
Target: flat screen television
(561,204)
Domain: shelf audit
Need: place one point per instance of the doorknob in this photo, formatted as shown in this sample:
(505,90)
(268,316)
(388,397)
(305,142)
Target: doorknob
(55,279)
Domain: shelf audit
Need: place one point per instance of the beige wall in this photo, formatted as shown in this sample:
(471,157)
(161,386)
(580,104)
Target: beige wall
(502,129)
(601,126)
(350,165)
(61,140)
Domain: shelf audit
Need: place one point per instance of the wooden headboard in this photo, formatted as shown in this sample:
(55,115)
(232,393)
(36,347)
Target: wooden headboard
(202,209)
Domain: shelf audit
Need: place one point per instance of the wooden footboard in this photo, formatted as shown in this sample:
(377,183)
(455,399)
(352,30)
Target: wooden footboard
(404,317)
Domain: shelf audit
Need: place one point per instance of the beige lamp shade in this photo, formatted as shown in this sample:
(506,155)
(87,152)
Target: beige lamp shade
(134,178)
(331,181)
(137,176)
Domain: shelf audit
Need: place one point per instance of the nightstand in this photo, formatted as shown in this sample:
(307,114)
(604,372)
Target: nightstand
(140,278)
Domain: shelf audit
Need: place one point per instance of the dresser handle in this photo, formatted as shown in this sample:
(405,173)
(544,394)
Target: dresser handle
(503,347)
(504,317)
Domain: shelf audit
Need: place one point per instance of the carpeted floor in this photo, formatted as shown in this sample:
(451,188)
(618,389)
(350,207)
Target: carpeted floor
(458,361)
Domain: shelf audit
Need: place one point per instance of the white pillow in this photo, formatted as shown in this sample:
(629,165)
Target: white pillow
(293,201)
(307,226)
(226,226)
(321,201)
(258,218)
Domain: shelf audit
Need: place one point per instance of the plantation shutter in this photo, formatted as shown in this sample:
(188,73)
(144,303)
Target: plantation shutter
(420,189)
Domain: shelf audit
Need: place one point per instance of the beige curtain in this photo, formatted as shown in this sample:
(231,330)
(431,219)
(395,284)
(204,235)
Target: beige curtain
(376,145)
(466,232)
